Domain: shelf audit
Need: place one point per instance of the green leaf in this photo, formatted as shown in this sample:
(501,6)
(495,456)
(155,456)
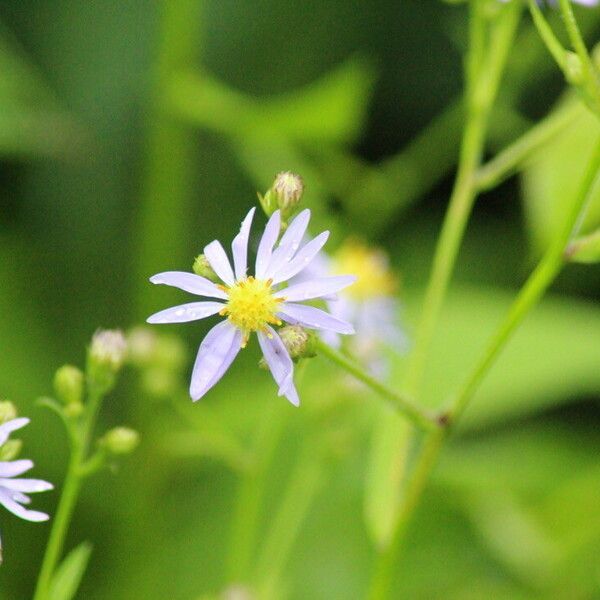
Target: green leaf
(67,577)
(553,178)
(552,358)
(385,473)
(332,108)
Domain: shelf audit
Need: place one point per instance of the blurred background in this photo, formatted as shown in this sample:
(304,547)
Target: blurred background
(132,134)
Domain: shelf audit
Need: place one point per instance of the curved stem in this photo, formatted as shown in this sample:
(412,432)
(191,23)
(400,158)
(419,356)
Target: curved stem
(509,160)
(60,524)
(532,291)
(483,78)
(550,40)
(418,415)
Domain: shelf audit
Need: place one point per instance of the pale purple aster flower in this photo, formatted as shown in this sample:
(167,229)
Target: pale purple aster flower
(13,489)
(255,303)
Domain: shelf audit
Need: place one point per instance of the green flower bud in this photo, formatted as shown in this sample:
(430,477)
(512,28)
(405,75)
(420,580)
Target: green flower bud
(68,384)
(285,194)
(73,410)
(120,440)
(10,450)
(8,411)
(202,267)
(298,341)
(106,355)
(573,68)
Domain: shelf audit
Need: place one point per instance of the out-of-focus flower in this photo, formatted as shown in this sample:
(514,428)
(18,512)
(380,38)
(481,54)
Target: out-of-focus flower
(255,303)
(108,348)
(13,489)
(369,303)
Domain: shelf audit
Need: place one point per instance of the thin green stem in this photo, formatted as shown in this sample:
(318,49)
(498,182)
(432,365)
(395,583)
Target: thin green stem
(578,42)
(532,291)
(80,439)
(550,40)
(483,77)
(169,168)
(509,160)
(303,485)
(535,287)
(60,524)
(421,417)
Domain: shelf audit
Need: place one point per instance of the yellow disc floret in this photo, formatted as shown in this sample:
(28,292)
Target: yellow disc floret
(251,305)
(370,266)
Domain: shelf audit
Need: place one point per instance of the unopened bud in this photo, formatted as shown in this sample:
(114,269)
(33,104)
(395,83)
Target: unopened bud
(202,267)
(8,411)
(285,194)
(68,384)
(105,358)
(120,440)
(298,341)
(10,450)
(573,68)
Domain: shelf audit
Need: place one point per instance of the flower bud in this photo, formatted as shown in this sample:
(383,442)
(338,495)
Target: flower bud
(298,341)
(288,189)
(573,68)
(106,355)
(202,267)
(8,411)
(120,440)
(10,450)
(285,194)
(68,384)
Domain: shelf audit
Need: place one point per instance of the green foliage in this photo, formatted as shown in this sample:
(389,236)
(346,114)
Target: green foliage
(69,574)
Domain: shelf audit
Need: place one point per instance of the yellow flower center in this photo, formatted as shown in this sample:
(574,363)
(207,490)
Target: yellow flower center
(371,268)
(251,305)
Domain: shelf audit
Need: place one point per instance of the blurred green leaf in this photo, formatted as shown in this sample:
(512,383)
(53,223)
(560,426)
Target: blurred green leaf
(331,109)
(67,577)
(551,359)
(31,121)
(553,178)
(385,472)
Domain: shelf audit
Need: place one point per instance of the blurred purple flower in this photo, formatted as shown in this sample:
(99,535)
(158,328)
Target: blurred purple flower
(254,303)
(555,2)
(13,489)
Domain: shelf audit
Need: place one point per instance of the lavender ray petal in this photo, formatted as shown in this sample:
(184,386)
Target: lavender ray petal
(215,355)
(189,282)
(302,259)
(313,318)
(26,485)
(315,288)
(290,242)
(239,246)
(15,508)
(216,256)
(280,364)
(265,246)
(15,467)
(7,428)
(183,313)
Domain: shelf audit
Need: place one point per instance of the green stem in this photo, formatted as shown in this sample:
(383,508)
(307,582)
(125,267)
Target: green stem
(510,159)
(550,40)
(532,291)
(169,159)
(80,439)
(60,524)
(483,78)
(419,416)
(250,495)
(303,485)
(578,42)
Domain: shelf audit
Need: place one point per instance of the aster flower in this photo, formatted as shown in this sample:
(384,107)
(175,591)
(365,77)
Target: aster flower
(370,303)
(255,303)
(13,490)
